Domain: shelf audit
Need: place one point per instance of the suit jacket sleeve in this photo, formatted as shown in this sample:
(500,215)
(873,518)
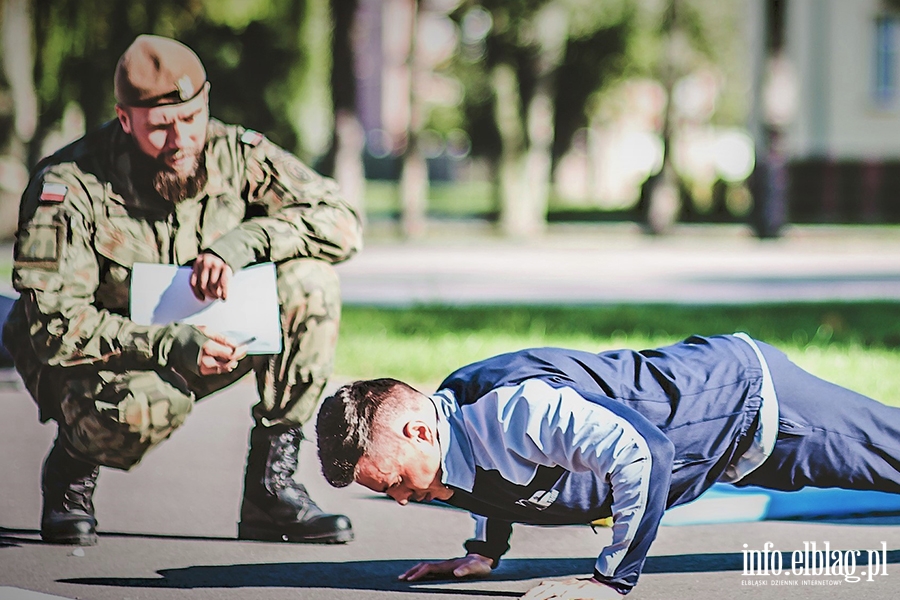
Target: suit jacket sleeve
(491,538)
(551,426)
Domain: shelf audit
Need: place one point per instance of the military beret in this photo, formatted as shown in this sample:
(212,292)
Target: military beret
(156,70)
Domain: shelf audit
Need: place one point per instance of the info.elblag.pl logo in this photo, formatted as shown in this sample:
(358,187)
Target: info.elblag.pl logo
(814,564)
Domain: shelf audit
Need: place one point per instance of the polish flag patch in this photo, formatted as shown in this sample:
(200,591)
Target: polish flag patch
(53,192)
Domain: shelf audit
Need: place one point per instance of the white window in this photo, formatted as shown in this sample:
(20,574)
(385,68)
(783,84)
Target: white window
(886,89)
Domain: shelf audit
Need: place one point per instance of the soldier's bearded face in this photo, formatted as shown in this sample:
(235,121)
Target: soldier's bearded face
(174,137)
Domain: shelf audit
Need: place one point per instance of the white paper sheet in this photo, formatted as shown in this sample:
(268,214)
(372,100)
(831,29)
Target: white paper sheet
(161,294)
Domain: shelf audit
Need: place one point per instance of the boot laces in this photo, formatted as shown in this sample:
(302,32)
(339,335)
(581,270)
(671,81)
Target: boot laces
(80,492)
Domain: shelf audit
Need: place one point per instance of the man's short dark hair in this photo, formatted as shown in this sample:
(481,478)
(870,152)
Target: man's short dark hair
(345,424)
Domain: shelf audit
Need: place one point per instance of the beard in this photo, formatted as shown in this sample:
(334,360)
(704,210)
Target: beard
(172,185)
(177,186)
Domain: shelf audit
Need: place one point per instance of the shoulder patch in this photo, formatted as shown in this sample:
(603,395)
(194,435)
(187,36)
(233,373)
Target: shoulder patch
(251,138)
(54,192)
(39,246)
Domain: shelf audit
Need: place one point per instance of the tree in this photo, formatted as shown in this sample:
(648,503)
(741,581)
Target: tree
(414,173)
(267,60)
(662,194)
(528,47)
(258,55)
(344,158)
(18,107)
(671,40)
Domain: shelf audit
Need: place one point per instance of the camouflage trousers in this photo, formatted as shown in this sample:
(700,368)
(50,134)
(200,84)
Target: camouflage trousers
(115,418)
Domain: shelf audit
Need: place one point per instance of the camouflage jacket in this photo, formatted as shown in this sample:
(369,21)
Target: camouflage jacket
(83,223)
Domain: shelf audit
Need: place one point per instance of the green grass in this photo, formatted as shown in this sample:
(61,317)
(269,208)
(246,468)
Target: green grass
(468,199)
(854,344)
(459,199)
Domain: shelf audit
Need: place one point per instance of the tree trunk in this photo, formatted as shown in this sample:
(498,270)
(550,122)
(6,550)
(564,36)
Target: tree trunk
(18,69)
(413,192)
(538,161)
(526,156)
(663,200)
(662,193)
(350,141)
(552,27)
(344,161)
(514,212)
(414,176)
(18,66)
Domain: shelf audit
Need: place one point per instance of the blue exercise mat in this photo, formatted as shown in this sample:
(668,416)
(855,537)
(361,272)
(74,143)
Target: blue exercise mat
(724,503)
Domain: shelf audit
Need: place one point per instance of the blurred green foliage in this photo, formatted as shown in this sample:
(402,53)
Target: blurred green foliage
(593,54)
(445,199)
(474,199)
(268,60)
(606,42)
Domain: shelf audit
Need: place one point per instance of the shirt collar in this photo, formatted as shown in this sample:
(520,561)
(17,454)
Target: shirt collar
(457,462)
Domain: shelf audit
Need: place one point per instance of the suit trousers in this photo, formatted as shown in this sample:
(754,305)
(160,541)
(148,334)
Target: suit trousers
(828,436)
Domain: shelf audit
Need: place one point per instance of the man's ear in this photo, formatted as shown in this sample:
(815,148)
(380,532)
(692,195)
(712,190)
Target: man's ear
(418,431)
(124,119)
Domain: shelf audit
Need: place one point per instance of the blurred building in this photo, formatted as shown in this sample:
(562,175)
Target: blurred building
(832,90)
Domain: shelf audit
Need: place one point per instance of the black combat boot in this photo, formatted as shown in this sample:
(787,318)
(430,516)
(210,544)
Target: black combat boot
(68,487)
(276,508)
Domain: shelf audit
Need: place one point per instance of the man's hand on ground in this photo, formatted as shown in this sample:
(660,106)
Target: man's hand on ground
(472,565)
(210,277)
(576,588)
(219,354)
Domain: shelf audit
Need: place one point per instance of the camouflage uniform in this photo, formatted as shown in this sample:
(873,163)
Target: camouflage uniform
(118,388)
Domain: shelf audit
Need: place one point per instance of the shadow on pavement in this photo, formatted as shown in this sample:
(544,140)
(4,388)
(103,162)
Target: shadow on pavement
(8,536)
(374,575)
(381,575)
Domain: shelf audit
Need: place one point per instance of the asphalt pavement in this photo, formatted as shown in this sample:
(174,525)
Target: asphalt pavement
(617,263)
(168,528)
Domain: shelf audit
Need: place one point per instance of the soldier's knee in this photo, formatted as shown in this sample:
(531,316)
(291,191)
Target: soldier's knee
(304,277)
(308,289)
(129,415)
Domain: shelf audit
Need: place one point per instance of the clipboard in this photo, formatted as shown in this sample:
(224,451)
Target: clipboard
(161,294)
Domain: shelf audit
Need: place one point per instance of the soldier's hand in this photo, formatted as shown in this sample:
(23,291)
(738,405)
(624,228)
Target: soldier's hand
(210,277)
(219,354)
(471,565)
